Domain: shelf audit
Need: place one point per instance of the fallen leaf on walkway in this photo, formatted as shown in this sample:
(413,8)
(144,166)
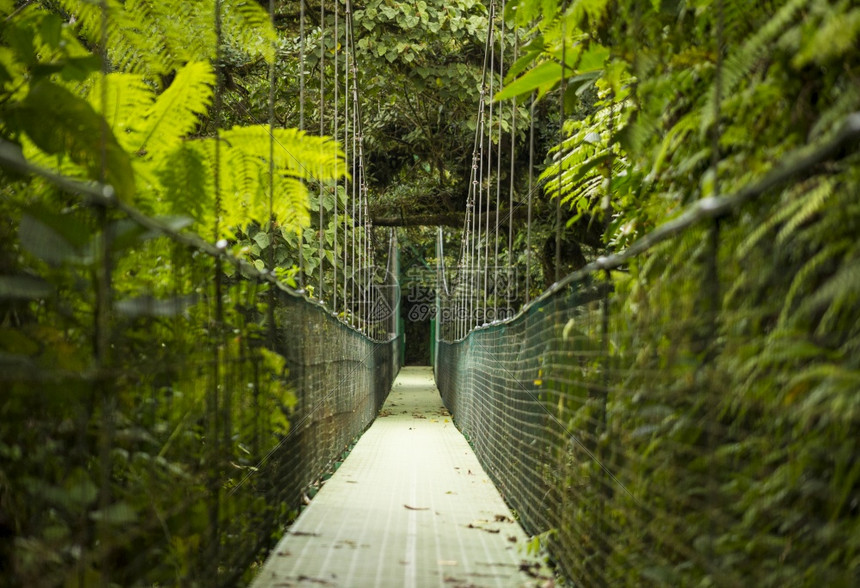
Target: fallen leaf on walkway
(503,519)
(417,507)
(482,528)
(315,580)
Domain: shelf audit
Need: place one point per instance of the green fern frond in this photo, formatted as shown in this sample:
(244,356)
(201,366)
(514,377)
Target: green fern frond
(840,290)
(155,38)
(813,203)
(131,44)
(674,139)
(291,203)
(250,27)
(577,176)
(307,156)
(58,163)
(835,36)
(242,186)
(127,97)
(743,60)
(244,176)
(832,119)
(792,203)
(187,182)
(803,279)
(186,29)
(175,113)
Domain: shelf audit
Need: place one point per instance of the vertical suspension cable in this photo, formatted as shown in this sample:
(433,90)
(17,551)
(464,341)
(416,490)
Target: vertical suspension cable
(271,170)
(510,263)
(489,175)
(335,256)
(499,172)
(355,169)
(301,65)
(560,143)
(479,210)
(322,132)
(352,216)
(529,196)
(346,130)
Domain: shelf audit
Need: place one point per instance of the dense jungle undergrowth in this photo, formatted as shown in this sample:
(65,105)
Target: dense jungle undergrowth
(143,382)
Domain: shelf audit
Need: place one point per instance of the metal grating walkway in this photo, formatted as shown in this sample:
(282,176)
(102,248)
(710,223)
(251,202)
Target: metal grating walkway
(410,506)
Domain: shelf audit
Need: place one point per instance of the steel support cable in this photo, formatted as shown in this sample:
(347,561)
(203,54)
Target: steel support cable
(322,133)
(460,301)
(499,171)
(335,134)
(346,181)
(474,266)
(510,263)
(529,196)
(358,137)
(489,175)
(271,121)
(561,116)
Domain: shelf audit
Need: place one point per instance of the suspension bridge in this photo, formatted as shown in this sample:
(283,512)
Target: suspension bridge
(219,406)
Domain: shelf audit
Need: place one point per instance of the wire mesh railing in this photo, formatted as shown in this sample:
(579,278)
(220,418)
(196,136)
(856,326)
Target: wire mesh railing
(686,412)
(166,406)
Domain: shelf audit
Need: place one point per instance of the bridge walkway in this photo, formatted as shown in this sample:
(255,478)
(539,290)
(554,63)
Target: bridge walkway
(409,507)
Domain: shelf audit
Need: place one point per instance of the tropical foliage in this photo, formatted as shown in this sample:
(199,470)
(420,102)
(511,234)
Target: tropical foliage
(724,406)
(138,394)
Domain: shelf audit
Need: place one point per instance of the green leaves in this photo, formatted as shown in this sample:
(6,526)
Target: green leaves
(55,238)
(60,123)
(548,74)
(175,112)
(541,78)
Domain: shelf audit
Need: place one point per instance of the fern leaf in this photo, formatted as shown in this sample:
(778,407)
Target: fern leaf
(835,36)
(127,97)
(804,277)
(843,286)
(784,212)
(250,27)
(187,182)
(130,42)
(741,62)
(291,203)
(175,113)
(813,203)
(304,155)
